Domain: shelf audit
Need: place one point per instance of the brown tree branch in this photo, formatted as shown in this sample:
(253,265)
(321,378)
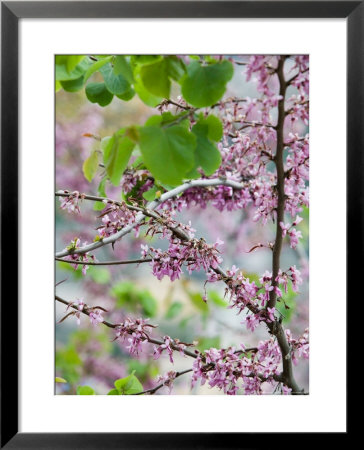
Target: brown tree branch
(105,263)
(115,325)
(276,327)
(278,161)
(159,386)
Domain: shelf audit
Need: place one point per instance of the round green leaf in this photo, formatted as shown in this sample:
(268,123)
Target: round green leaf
(90,166)
(128,95)
(96,66)
(150,194)
(73,85)
(122,67)
(207,156)
(113,392)
(205,85)
(155,78)
(176,67)
(168,153)
(64,74)
(215,128)
(97,93)
(128,385)
(116,84)
(117,152)
(85,390)
(145,96)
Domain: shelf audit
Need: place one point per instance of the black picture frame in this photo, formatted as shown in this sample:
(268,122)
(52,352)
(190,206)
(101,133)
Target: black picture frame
(11,12)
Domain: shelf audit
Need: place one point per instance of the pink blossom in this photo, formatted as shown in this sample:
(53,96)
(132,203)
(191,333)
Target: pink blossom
(96,317)
(294,235)
(271,312)
(286,390)
(70,203)
(164,347)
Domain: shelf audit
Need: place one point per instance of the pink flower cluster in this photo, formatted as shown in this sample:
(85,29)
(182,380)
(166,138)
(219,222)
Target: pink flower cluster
(300,348)
(262,66)
(194,254)
(94,313)
(80,306)
(114,218)
(135,332)
(96,316)
(293,234)
(165,224)
(132,177)
(247,294)
(167,346)
(83,257)
(70,203)
(164,347)
(230,370)
(167,379)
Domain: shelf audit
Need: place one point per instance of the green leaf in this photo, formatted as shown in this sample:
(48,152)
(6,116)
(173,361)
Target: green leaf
(155,78)
(58,85)
(99,206)
(168,153)
(207,156)
(215,128)
(96,66)
(122,67)
(116,84)
(85,390)
(205,85)
(63,74)
(147,97)
(117,152)
(72,61)
(60,380)
(145,59)
(176,67)
(128,95)
(151,194)
(97,93)
(165,119)
(113,392)
(90,166)
(73,85)
(128,385)
(174,310)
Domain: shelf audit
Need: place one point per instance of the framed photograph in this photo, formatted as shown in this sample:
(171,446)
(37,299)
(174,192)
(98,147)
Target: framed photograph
(158,237)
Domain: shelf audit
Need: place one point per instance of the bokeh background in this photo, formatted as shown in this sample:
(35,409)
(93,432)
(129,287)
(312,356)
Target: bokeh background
(86,355)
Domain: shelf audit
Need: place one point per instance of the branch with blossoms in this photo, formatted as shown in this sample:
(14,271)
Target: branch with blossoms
(222,368)
(72,205)
(198,254)
(136,329)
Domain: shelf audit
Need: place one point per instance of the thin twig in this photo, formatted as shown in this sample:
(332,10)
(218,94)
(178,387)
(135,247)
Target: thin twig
(105,263)
(159,386)
(115,325)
